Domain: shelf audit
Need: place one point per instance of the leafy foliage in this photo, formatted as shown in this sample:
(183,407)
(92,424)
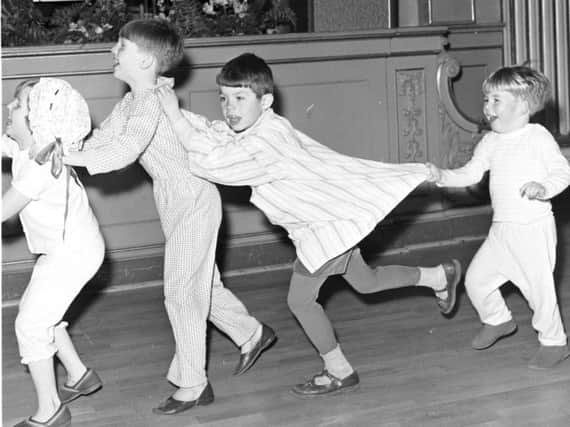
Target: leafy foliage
(24,24)
(92,21)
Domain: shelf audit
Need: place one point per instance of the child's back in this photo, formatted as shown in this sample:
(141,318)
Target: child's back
(138,130)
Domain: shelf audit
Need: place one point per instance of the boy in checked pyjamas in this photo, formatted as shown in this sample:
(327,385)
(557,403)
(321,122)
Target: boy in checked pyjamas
(526,170)
(46,118)
(189,209)
(328,203)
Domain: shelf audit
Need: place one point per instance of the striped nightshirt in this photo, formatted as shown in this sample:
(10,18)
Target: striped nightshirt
(328,202)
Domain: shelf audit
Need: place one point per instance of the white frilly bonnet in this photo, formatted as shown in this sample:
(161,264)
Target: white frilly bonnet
(59,120)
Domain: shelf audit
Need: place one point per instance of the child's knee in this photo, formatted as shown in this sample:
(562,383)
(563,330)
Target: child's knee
(24,323)
(473,280)
(35,338)
(298,301)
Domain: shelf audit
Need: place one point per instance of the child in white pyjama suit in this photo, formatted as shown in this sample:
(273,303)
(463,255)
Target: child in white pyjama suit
(526,170)
(45,118)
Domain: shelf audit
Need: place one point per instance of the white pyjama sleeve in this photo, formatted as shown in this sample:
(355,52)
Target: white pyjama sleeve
(524,254)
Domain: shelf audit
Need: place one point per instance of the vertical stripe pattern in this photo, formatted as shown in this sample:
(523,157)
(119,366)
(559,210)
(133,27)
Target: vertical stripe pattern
(326,201)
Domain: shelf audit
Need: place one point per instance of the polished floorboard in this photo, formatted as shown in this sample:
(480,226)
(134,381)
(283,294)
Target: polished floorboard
(416,366)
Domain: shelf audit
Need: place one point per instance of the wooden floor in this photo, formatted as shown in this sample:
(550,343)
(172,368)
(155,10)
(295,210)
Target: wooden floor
(416,366)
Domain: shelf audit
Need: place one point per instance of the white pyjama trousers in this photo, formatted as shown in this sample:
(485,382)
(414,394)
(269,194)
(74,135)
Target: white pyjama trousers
(524,254)
(194,293)
(56,280)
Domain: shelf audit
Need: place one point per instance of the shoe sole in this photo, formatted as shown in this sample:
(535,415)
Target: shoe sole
(86,392)
(157,411)
(198,402)
(505,335)
(342,390)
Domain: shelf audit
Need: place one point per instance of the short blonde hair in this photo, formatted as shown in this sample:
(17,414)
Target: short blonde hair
(526,83)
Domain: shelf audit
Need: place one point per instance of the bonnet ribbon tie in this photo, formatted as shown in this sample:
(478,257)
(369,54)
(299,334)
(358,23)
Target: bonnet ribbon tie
(54,152)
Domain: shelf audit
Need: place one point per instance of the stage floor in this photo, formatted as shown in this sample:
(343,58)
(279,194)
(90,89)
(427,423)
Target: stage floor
(416,366)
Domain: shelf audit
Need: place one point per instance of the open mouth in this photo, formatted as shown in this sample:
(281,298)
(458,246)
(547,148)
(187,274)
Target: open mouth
(234,120)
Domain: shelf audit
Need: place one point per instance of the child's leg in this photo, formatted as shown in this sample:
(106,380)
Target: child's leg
(443,278)
(188,272)
(487,272)
(189,262)
(67,354)
(302,299)
(534,246)
(56,280)
(230,315)
(338,375)
(43,376)
(88,256)
(366,279)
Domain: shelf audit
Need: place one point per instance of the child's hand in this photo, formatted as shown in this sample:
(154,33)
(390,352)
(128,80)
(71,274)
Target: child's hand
(74,158)
(169,102)
(533,190)
(434,173)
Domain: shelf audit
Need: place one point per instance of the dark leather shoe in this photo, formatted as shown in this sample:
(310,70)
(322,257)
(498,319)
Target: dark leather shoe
(452,274)
(335,386)
(247,360)
(61,418)
(171,406)
(87,384)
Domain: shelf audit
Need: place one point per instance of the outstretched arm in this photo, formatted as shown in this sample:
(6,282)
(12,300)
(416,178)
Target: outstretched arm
(471,173)
(120,140)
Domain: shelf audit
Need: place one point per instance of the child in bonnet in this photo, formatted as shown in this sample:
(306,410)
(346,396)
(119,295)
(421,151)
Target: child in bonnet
(46,119)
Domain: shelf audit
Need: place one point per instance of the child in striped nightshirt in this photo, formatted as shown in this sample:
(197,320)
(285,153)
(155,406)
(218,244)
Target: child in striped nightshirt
(526,170)
(328,203)
(189,209)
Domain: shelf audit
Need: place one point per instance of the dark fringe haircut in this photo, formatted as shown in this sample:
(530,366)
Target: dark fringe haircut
(247,70)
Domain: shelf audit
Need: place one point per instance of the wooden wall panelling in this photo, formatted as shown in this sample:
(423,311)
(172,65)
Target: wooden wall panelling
(334,86)
(413,115)
(351,15)
(444,12)
(479,51)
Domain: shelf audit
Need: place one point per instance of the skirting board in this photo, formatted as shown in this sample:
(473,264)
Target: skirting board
(402,238)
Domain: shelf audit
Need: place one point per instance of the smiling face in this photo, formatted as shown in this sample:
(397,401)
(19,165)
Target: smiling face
(17,126)
(128,60)
(241,107)
(504,111)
